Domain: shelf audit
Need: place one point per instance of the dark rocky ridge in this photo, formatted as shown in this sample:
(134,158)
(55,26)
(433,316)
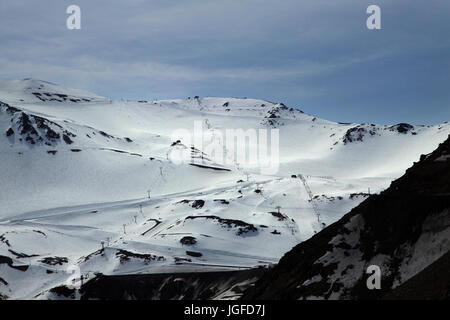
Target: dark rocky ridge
(34,129)
(241,226)
(164,286)
(361,131)
(58,97)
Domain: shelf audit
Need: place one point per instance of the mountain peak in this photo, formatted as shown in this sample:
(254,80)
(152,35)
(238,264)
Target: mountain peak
(273,113)
(29,90)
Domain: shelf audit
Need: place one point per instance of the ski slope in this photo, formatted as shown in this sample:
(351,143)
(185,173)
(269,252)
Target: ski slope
(77,170)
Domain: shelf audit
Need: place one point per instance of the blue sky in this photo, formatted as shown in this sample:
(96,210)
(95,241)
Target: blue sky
(316,55)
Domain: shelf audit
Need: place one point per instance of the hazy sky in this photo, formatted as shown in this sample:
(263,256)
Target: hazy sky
(316,55)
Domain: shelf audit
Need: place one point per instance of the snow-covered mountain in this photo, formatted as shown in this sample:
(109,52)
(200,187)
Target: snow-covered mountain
(78,169)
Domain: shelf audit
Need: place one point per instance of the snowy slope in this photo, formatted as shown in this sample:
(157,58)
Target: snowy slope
(405,231)
(77,168)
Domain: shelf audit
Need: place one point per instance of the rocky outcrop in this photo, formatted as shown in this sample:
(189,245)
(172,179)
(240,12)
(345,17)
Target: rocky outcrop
(33,129)
(165,286)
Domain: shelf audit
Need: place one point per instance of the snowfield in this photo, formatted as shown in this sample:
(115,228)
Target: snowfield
(77,170)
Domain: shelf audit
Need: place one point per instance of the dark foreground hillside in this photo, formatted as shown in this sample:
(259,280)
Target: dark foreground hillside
(405,231)
(164,286)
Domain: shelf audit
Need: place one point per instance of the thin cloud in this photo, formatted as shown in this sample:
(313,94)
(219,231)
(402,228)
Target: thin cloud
(314,53)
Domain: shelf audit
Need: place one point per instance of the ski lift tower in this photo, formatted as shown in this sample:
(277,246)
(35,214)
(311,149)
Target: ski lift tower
(311,196)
